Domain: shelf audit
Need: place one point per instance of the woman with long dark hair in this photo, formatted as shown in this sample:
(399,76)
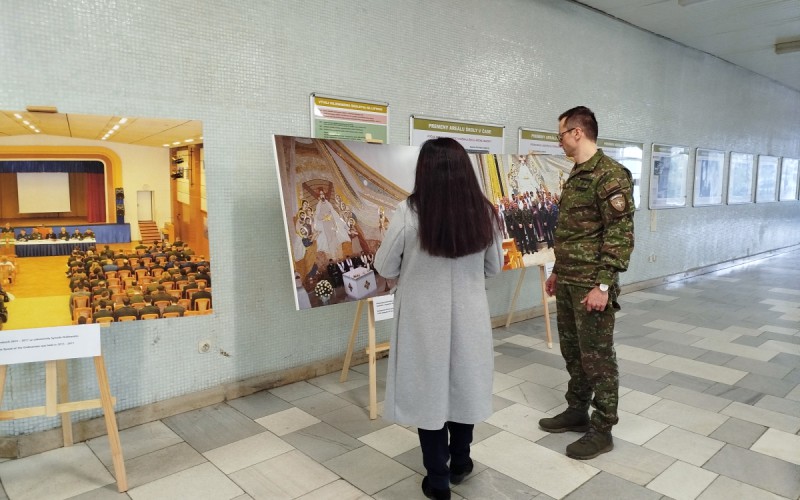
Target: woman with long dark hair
(442,243)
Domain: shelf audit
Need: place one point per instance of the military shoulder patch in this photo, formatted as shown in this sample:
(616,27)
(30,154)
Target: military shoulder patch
(618,202)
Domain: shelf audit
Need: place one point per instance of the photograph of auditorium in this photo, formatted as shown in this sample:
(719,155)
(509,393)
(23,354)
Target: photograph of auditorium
(102,218)
(338,198)
(525,189)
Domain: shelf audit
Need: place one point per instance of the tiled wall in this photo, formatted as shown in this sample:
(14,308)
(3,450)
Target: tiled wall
(246,69)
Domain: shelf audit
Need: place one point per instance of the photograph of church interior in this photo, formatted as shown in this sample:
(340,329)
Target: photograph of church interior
(152,123)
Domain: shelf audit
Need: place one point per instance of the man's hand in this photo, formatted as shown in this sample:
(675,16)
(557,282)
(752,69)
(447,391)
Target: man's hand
(550,284)
(595,300)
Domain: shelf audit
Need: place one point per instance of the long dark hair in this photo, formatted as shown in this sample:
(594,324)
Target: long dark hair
(455,218)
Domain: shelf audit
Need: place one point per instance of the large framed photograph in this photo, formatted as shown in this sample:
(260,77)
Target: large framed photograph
(767,179)
(629,154)
(708,172)
(741,178)
(790,168)
(668,176)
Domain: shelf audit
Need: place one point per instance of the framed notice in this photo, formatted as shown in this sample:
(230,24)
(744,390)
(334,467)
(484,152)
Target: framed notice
(789,179)
(475,137)
(348,119)
(539,142)
(741,178)
(708,173)
(629,154)
(767,179)
(668,176)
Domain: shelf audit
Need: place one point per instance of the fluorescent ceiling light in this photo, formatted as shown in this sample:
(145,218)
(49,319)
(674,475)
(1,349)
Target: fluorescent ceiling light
(787,47)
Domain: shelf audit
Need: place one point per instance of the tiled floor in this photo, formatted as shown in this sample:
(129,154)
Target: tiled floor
(710,409)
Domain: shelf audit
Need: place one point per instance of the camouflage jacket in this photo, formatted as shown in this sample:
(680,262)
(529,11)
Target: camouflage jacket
(594,234)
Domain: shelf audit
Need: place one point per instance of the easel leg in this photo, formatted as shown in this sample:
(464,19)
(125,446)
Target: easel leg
(373,375)
(63,396)
(50,389)
(353,333)
(546,305)
(516,295)
(111,424)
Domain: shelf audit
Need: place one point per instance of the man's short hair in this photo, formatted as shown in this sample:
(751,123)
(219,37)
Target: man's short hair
(583,118)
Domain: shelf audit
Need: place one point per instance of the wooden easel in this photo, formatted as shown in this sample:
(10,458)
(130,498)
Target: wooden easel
(372,351)
(546,299)
(57,388)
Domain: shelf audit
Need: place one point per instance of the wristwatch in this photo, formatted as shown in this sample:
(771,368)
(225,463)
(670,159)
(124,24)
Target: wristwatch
(603,287)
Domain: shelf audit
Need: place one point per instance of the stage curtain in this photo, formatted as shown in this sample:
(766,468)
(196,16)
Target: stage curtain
(95,198)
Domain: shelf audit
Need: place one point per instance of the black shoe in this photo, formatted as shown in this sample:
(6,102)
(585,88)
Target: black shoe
(569,420)
(433,492)
(592,444)
(457,474)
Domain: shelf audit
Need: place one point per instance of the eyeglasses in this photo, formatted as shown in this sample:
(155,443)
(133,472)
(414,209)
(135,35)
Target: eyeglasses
(561,135)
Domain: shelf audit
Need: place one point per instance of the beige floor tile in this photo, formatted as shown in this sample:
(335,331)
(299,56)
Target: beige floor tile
(541,374)
(761,416)
(684,416)
(289,475)
(712,333)
(636,401)
(501,382)
(531,464)
(735,349)
(725,488)
(684,445)
(671,326)
(136,441)
(523,340)
(368,469)
(520,420)
(682,481)
(391,441)
(202,481)
(693,398)
(294,391)
(637,354)
(337,490)
(635,428)
(330,382)
(699,369)
(160,463)
(287,421)
(777,345)
(534,395)
(632,463)
(55,474)
(247,452)
(779,444)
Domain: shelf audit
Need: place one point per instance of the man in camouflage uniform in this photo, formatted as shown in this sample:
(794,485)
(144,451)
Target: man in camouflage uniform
(593,244)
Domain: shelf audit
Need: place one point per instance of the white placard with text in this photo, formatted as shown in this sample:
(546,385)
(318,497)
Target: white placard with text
(383,307)
(47,344)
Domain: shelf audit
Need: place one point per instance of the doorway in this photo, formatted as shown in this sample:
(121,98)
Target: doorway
(144,205)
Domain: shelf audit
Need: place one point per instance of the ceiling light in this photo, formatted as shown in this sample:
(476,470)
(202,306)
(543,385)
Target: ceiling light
(189,140)
(176,143)
(165,145)
(787,47)
(18,116)
(123,120)
(31,127)
(26,122)
(115,127)
(109,132)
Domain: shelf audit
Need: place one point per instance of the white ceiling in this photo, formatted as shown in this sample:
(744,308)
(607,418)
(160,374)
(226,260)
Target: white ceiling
(743,32)
(138,131)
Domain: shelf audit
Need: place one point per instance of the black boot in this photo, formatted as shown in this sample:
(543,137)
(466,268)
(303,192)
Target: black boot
(434,493)
(570,420)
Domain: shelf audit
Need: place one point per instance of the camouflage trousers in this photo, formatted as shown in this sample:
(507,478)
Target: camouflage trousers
(587,344)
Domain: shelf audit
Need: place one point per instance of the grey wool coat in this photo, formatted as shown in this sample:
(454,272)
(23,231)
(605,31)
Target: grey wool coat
(441,357)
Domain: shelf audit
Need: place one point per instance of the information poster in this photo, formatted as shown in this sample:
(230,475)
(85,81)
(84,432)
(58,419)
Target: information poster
(349,119)
(708,172)
(668,176)
(767,179)
(475,137)
(629,154)
(740,178)
(790,168)
(539,142)
(46,344)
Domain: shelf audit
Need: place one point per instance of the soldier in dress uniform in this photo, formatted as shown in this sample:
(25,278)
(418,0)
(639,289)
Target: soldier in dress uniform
(593,244)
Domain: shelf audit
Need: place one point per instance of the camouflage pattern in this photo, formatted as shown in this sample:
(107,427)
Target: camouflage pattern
(587,344)
(593,244)
(594,234)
